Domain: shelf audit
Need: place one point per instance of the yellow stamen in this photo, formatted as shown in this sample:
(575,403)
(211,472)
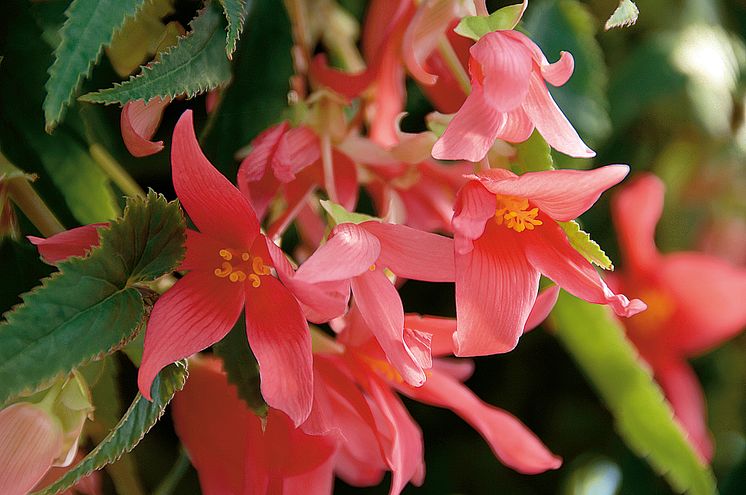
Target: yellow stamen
(514,213)
(247,264)
(372,267)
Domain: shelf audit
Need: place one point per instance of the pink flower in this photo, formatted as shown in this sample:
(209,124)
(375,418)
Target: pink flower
(509,99)
(359,255)
(139,121)
(73,242)
(506,236)
(230,266)
(234,453)
(695,303)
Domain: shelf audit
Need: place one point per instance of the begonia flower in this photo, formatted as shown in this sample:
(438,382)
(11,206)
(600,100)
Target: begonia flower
(695,303)
(359,255)
(506,235)
(229,268)
(509,99)
(139,121)
(234,453)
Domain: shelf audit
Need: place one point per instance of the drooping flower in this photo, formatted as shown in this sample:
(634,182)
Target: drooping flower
(73,242)
(359,255)
(506,235)
(139,121)
(694,303)
(229,266)
(234,453)
(509,98)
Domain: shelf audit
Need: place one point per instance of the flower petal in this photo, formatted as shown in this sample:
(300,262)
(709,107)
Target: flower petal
(73,242)
(381,309)
(516,127)
(495,290)
(264,147)
(215,206)
(139,121)
(545,301)
(349,251)
(441,329)
(561,194)
(474,207)
(504,64)
(555,74)
(511,441)
(551,122)
(196,312)
(421,37)
(636,210)
(281,342)
(412,253)
(297,149)
(549,251)
(345,83)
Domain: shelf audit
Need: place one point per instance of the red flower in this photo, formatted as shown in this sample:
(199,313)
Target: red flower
(694,303)
(506,236)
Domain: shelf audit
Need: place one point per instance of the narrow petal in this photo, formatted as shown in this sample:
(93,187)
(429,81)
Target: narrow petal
(414,254)
(30,440)
(423,33)
(441,329)
(561,194)
(505,66)
(549,251)
(73,242)
(349,251)
(474,206)
(545,301)
(196,312)
(345,83)
(551,122)
(215,206)
(495,290)
(382,311)
(279,338)
(636,210)
(472,131)
(512,442)
(213,425)
(708,294)
(139,121)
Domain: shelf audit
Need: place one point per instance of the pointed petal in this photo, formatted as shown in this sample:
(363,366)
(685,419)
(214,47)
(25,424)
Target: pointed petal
(472,131)
(73,242)
(349,251)
(636,210)
(196,312)
(511,441)
(440,328)
(505,66)
(545,301)
(561,194)
(708,294)
(279,338)
(139,121)
(495,290)
(551,122)
(264,147)
(474,206)
(215,206)
(549,251)
(414,254)
(382,311)
(213,425)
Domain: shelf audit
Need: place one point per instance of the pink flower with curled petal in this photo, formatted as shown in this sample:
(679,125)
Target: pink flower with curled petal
(359,255)
(695,303)
(139,121)
(509,99)
(506,236)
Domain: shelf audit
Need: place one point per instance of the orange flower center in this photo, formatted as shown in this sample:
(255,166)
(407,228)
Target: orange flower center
(514,213)
(237,266)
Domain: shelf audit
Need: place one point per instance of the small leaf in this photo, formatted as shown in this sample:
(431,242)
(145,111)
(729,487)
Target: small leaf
(137,421)
(475,27)
(91,306)
(90,25)
(533,155)
(196,64)
(624,15)
(235,13)
(340,215)
(586,246)
(241,367)
(644,419)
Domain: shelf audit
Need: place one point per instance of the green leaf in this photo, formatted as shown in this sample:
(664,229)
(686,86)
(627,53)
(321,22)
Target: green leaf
(475,27)
(235,13)
(196,64)
(241,367)
(533,155)
(340,215)
(92,306)
(624,15)
(586,246)
(596,341)
(136,422)
(90,25)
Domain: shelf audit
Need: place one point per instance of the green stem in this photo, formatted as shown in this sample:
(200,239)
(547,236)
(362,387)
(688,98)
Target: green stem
(116,173)
(454,64)
(31,204)
(170,482)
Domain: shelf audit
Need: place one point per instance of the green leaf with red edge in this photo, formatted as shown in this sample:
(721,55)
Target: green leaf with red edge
(644,419)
